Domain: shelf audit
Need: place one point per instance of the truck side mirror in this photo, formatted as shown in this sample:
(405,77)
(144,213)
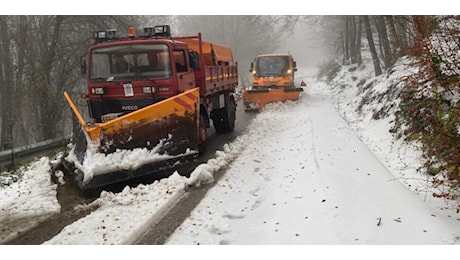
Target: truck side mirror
(83,65)
(252,66)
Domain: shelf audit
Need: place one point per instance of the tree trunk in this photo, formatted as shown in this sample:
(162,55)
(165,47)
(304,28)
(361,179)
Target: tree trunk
(359,33)
(375,58)
(342,41)
(395,41)
(352,33)
(403,34)
(6,87)
(384,42)
(347,41)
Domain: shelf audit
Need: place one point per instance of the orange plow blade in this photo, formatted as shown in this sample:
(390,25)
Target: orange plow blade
(169,128)
(175,117)
(256,99)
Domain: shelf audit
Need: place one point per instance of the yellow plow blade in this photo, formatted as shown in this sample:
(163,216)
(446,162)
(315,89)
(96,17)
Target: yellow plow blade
(256,99)
(170,127)
(174,118)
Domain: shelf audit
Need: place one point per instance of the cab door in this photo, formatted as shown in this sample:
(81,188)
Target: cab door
(185,76)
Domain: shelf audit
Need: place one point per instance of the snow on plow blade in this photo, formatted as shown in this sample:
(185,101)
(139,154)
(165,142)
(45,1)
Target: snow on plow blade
(256,99)
(149,140)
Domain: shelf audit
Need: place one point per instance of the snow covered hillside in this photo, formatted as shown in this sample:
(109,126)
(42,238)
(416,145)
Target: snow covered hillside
(369,104)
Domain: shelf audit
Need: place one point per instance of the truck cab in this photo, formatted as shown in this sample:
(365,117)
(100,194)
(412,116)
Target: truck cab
(126,74)
(273,70)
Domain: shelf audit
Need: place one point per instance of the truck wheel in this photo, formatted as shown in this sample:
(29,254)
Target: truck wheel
(224,118)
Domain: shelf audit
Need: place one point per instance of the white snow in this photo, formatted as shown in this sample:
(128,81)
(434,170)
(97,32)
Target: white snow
(96,163)
(28,201)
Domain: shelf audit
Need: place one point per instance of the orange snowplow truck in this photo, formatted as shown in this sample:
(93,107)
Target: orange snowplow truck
(150,91)
(273,81)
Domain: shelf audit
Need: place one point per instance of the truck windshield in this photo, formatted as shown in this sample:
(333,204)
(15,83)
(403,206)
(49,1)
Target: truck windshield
(272,65)
(129,60)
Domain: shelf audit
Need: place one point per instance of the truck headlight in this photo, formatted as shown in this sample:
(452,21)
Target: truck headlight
(149,90)
(97,91)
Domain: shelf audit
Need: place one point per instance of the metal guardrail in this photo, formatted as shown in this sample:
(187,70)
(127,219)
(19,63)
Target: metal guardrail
(30,150)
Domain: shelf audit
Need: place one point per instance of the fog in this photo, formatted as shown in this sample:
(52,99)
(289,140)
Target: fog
(305,45)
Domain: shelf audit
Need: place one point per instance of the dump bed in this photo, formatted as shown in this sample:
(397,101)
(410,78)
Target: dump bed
(213,53)
(218,72)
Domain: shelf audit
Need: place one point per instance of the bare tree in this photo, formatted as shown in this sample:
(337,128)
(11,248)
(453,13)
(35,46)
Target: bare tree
(384,42)
(370,39)
(39,60)
(395,36)
(348,33)
(346,41)
(404,33)
(354,32)
(6,85)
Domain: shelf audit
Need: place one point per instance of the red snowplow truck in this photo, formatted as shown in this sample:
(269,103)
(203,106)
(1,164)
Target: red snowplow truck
(150,98)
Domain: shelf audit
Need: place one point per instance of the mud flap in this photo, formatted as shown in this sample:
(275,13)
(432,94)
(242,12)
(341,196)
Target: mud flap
(256,99)
(168,129)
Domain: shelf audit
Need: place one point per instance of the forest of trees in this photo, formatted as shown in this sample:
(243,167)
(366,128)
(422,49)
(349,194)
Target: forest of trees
(40,55)
(39,60)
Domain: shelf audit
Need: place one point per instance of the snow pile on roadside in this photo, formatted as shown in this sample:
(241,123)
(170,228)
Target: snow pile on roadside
(138,206)
(204,173)
(28,201)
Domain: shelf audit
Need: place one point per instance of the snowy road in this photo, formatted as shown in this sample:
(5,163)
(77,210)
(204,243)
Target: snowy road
(306,178)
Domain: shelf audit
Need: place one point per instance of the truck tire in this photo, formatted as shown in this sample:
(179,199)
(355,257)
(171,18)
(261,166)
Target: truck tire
(224,118)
